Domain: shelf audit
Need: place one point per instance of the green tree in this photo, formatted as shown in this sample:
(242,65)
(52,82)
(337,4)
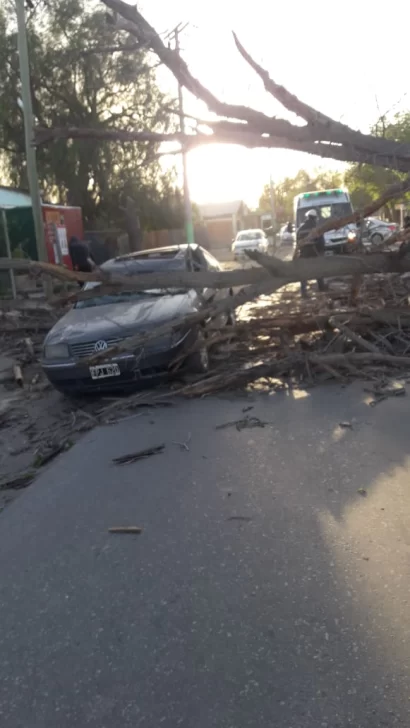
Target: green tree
(75,87)
(366,182)
(289,187)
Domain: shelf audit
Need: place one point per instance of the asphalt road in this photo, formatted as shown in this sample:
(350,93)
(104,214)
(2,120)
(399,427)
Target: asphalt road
(270,585)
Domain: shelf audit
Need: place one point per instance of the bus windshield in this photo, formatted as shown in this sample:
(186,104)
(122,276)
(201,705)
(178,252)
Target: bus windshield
(325,212)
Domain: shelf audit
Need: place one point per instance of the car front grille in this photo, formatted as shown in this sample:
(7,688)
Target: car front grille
(79,351)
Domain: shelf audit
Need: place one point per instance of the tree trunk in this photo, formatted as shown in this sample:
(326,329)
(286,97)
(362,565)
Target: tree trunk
(133,226)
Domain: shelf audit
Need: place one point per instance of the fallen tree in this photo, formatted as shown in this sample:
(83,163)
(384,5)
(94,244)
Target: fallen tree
(260,281)
(276,347)
(285,271)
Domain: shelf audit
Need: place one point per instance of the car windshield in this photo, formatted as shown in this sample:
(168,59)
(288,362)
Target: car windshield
(123,296)
(250,235)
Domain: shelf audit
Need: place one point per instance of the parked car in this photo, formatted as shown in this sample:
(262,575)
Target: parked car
(102,321)
(249,240)
(378,230)
(286,238)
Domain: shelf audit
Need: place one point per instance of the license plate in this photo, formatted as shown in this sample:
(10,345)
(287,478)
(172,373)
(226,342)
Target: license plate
(329,252)
(105,370)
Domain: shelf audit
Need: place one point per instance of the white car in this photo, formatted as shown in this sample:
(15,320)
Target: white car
(285,238)
(249,240)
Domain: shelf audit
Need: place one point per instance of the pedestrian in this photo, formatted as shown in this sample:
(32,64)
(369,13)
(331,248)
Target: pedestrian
(315,247)
(81,257)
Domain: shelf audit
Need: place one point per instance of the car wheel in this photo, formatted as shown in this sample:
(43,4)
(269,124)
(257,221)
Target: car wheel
(377,239)
(198,361)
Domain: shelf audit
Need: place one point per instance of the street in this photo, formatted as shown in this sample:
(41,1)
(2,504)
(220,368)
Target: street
(269,586)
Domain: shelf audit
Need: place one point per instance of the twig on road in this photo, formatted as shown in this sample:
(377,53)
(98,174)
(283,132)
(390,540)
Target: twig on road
(139,455)
(184,445)
(125,529)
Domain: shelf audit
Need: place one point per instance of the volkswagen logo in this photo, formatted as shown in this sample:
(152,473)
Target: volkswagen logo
(100,346)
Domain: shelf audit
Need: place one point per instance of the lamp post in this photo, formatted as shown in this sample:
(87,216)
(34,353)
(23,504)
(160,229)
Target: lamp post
(26,106)
(189,227)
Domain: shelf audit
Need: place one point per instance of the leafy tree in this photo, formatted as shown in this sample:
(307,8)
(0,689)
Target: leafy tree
(289,187)
(366,182)
(72,86)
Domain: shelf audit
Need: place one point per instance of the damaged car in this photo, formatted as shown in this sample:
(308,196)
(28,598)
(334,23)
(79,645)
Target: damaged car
(100,322)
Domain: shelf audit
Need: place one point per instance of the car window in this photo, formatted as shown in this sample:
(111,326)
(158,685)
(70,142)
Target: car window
(251,235)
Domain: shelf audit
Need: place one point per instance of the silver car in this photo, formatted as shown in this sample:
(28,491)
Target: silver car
(378,230)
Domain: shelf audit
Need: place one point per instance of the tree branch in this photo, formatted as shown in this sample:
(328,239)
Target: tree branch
(331,129)
(126,48)
(225,133)
(45,135)
(355,146)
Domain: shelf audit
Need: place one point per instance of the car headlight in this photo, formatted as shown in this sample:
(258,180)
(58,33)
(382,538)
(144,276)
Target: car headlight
(351,237)
(56,351)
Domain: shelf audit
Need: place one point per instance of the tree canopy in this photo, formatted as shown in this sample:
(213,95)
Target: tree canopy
(74,85)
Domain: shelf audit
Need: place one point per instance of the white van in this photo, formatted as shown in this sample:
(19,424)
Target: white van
(327,203)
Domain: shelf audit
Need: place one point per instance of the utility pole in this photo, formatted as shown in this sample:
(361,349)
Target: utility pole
(273,211)
(189,227)
(29,130)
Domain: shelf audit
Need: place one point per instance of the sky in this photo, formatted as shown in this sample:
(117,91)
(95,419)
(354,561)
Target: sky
(348,60)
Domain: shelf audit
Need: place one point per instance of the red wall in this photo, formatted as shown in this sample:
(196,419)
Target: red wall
(67,221)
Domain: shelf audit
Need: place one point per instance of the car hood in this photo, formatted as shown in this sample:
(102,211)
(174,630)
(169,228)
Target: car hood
(116,320)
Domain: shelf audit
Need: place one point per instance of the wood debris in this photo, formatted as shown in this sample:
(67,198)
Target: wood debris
(22,480)
(184,445)
(133,457)
(243,424)
(18,375)
(125,529)
(50,451)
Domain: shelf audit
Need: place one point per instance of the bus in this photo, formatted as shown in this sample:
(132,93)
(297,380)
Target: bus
(328,204)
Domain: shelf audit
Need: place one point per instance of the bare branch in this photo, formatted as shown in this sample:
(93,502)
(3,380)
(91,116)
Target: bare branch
(46,135)
(321,135)
(225,133)
(327,128)
(146,34)
(126,48)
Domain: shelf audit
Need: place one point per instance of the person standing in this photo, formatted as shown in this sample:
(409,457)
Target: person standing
(80,255)
(315,246)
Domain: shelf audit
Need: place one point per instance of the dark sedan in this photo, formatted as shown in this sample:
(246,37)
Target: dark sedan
(100,322)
